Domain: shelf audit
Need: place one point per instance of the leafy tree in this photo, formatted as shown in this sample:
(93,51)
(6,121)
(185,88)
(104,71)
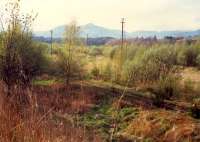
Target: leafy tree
(21,59)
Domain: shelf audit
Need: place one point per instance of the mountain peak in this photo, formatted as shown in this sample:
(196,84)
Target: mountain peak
(90,24)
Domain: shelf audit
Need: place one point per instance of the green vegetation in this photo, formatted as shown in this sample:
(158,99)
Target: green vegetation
(21,58)
(46,82)
(119,94)
(166,88)
(102,119)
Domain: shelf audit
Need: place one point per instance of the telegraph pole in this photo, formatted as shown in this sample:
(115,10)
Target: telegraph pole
(87,40)
(123,22)
(51,42)
(122,39)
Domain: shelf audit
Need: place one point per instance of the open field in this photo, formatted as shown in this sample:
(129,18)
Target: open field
(92,105)
(77,88)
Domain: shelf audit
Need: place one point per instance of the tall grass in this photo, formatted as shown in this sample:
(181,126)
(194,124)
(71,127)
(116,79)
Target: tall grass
(33,122)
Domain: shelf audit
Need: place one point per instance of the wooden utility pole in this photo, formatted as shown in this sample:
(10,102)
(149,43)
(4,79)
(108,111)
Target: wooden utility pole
(122,40)
(123,22)
(51,42)
(87,40)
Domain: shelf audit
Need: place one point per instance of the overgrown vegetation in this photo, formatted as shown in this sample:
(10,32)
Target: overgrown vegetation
(48,97)
(21,58)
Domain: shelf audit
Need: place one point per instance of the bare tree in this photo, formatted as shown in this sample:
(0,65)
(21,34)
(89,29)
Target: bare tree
(72,40)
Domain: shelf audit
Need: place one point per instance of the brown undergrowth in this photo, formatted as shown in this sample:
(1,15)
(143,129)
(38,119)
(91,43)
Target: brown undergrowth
(29,117)
(162,126)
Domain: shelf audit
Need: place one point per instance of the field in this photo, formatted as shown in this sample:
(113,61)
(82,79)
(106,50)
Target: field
(151,95)
(66,90)
(100,101)
(95,111)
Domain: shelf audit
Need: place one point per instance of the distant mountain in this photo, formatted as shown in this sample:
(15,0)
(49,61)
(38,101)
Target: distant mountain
(163,34)
(58,32)
(94,31)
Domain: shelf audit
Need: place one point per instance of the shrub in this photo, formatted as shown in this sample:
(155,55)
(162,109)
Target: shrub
(107,72)
(166,88)
(68,67)
(150,64)
(106,50)
(195,110)
(188,86)
(21,62)
(198,61)
(95,72)
(187,56)
(21,59)
(96,51)
(67,59)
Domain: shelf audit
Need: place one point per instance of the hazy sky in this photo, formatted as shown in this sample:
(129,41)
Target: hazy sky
(139,14)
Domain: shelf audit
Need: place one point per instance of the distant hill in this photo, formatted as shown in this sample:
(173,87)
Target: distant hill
(94,31)
(90,29)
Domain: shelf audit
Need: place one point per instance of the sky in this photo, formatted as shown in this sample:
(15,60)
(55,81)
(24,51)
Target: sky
(145,15)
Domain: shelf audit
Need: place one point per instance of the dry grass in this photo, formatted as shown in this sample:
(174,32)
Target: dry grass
(163,126)
(44,118)
(64,99)
(192,74)
(35,121)
(190,83)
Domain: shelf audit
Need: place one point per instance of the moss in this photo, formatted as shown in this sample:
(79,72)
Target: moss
(46,82)
(101,119)
(127,112)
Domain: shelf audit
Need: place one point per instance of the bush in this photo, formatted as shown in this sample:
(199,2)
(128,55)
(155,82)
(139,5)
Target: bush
(21,59)
(96,51)
(68,67)
(188,56)
(198,61)
(149,64)
(95,72)
(166,88)
(188,86)
(146,63)
(195,110)
(107,72)
(21,62)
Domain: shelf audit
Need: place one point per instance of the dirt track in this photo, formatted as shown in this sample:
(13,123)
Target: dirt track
(130,97)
